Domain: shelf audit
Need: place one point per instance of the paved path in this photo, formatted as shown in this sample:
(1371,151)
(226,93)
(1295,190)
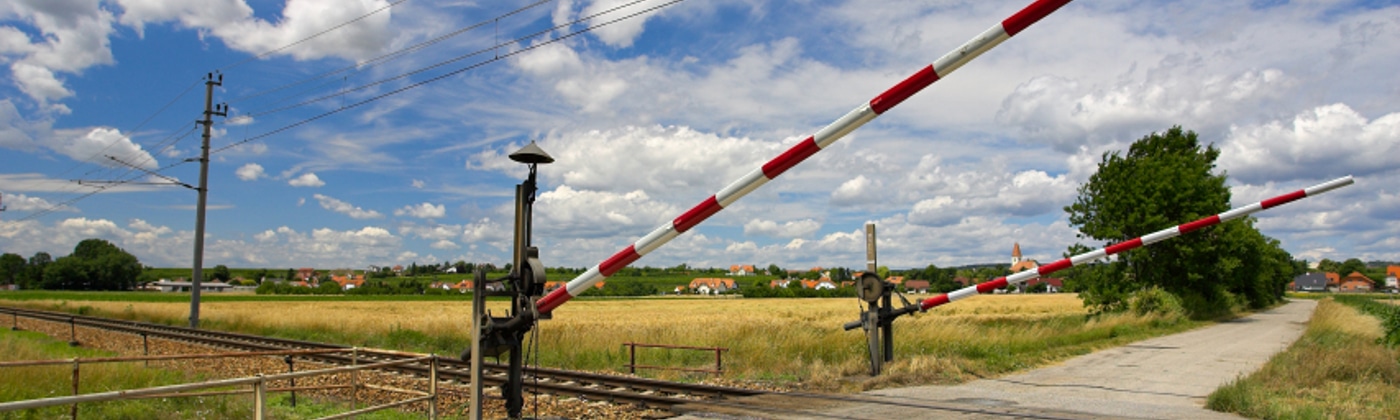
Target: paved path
(1160,378)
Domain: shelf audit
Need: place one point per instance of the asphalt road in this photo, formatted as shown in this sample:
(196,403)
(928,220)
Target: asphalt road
(1160,378)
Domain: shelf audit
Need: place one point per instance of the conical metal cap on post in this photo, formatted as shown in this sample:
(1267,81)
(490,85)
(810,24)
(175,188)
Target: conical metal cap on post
(531,154)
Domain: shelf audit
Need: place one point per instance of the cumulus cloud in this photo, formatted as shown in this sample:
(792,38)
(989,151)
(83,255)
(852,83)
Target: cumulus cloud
(308,179)
(1324,142)
(250,172)
(332,204)
(95,144)
(790,229)
(21,202)
(570,212)
(423,211)
(233,22)
(1065,112)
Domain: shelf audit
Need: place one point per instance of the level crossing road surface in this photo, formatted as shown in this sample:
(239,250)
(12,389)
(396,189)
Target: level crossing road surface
(1161,378)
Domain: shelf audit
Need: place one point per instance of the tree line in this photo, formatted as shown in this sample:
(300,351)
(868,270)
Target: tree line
(95,264)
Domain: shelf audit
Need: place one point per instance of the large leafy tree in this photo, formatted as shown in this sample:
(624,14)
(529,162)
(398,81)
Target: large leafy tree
(1163,180)
(11,268)
(95,264)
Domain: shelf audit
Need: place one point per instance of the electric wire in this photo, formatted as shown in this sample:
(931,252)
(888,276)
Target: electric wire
(455,72)
(492,48)
(313,36)
(392,55)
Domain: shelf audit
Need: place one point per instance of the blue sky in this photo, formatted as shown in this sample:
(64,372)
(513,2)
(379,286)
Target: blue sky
(650,115)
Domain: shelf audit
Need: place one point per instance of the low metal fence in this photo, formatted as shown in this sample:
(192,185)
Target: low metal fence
(259,383)
(632,365)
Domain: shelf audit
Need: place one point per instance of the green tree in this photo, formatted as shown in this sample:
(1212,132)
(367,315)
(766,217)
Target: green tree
(882,271)
(1351,265)
(11,268)
(1329,266)
(34,271)
(1164,179)
(95,264)
(775,270)
(220,273)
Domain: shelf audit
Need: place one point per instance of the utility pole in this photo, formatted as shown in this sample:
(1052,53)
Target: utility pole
(210,110)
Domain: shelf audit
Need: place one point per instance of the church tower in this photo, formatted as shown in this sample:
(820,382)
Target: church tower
(1016,254)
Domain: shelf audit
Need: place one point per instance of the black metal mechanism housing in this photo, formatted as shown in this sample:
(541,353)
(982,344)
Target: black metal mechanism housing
(494,336)
(878,318)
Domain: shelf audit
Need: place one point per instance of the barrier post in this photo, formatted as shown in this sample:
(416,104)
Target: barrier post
(72,332)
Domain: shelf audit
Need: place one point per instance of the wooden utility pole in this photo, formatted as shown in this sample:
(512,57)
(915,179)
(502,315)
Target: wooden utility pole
(210,110)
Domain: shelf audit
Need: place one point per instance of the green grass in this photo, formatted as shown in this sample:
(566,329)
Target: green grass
(26,383)
(1336,370)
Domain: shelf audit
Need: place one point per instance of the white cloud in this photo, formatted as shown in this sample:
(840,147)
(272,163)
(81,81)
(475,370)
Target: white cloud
(791,229)
(233,22)
(21,202)
(1324,142)
(444,244)
(332,204)
(250,172)
(418,183)
(857,191)
(96,144)
(423,211)
(308,179)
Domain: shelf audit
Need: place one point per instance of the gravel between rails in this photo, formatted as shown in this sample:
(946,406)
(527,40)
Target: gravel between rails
(452,400)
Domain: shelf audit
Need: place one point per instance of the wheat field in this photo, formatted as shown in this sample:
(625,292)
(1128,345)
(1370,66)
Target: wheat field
(795,341)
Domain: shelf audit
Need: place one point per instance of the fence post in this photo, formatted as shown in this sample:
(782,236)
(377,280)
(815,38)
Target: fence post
(718,364)
(433,388)
(354,378)
(16,325)
(72,332)
(292,369)
(259,399)
(74,410)
(146,345)
(632,358)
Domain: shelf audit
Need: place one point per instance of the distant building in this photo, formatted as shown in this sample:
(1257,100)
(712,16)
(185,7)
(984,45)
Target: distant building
(1310,282)
(741,270)
(1392,273)
(916,286)
(711,286)
(184,286)
(1357,283)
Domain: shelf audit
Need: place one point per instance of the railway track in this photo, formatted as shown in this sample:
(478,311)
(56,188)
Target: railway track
(590,386)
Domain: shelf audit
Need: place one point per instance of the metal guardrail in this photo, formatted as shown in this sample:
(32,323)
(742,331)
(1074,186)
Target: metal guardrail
(258,383)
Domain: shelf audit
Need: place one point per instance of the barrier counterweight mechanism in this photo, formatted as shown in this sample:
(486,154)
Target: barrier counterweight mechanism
(494,336)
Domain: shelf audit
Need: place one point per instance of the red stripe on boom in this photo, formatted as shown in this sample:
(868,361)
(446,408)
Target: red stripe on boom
(697,214)
(988,287)
(1283,199)
(1199,224)
(1054,266)
(904,90)
(1123,246)
(553,300)
(619,260)
(935,301)
(1030,15)
(791,158)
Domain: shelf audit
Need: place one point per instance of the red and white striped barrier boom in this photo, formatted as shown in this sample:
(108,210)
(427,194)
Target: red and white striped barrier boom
(828,135)
(1120,247)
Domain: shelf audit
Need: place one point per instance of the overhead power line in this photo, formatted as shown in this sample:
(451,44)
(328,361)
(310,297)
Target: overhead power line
(313,36)
(391,55)
(451,73)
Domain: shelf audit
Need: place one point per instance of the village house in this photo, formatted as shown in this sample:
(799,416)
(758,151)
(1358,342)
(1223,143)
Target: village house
(349,281)
(1357,283)
(1310,282)
(711,286)
(1392,277)
(1052,285)
(179,285)
(1334,281)
(307,274)
(741,270)
(916,286)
